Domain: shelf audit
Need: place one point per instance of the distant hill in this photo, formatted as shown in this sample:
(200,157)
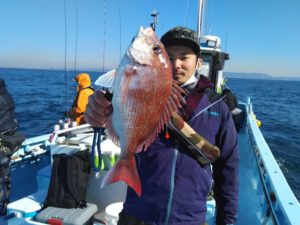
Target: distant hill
(257,76)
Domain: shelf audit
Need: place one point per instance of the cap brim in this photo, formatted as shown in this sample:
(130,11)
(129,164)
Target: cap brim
(182,41)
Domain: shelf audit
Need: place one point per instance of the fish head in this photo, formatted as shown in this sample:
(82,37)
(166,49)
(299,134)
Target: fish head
(147,50)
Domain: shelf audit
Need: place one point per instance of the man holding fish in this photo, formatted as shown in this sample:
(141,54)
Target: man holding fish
(166,183)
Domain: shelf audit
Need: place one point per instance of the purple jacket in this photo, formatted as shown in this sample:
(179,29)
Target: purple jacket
(174,185)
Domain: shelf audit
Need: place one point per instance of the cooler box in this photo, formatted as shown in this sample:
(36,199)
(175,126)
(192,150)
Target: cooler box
(27,207)
(68,216)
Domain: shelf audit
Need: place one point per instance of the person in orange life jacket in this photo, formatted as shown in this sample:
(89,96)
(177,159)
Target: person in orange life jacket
(84,90)
(174,185)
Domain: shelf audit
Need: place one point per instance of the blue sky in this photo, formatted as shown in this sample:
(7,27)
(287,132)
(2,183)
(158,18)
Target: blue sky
(261,36)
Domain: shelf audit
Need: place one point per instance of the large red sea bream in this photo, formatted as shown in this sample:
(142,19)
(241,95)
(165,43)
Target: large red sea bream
(144,97)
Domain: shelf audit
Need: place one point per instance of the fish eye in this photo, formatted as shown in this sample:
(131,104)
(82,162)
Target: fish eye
(156,49)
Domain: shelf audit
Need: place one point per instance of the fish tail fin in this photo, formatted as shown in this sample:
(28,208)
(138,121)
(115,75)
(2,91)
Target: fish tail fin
(126,171)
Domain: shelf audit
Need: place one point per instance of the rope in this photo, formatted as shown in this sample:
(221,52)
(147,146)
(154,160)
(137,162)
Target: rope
(96,157)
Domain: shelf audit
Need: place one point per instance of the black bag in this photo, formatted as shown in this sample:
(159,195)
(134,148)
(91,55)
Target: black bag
(230,99)
(232,102)
(69,180)
(11,143)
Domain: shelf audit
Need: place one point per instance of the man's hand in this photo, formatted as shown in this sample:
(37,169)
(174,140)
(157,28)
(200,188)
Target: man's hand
(98,109)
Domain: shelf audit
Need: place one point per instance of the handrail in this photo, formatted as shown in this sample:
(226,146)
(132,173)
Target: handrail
(284,204)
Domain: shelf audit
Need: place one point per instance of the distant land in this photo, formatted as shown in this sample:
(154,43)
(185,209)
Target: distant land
(258,76)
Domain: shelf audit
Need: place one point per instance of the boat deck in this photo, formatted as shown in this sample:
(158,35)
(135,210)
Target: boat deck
(265,197)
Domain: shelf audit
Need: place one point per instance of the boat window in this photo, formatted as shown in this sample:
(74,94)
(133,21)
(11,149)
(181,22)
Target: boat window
(207,65)
(204,69)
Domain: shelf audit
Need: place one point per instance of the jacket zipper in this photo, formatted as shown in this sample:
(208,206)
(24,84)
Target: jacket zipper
(172,182)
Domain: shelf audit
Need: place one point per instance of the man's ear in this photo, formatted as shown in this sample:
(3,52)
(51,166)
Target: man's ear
(199,62)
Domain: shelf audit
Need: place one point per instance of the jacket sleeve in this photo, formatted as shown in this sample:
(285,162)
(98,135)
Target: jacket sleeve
(226,171)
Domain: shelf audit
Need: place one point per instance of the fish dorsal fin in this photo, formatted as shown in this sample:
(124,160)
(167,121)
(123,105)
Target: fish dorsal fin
(106,80)
(175,102)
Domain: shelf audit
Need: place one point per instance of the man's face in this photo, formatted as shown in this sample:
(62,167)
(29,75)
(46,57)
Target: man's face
(184,62)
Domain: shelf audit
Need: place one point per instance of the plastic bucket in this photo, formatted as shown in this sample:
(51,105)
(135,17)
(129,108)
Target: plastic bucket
(112,213)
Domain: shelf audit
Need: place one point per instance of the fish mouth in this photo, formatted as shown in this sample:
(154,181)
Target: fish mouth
(140,49)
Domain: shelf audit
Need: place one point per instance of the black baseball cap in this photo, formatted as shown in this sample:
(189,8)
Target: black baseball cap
(181,36)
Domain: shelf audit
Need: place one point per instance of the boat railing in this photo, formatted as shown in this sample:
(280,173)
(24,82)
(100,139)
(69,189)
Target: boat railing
(283,203)
(31,147)
(69,131)
(35,146)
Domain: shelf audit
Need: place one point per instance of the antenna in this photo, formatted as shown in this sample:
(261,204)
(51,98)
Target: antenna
(154,14)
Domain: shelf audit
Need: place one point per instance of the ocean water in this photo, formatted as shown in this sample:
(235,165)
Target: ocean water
(276,103)
(42,97)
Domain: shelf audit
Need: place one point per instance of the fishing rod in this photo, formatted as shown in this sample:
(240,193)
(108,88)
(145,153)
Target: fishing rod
(104,35)
(65,63)
(76,37)
(120,32)
(207,107)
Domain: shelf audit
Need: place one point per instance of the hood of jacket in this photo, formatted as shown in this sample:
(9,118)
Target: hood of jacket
(83,80)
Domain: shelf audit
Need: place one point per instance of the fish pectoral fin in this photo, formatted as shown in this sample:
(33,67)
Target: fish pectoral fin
(124,170)
(107,79)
